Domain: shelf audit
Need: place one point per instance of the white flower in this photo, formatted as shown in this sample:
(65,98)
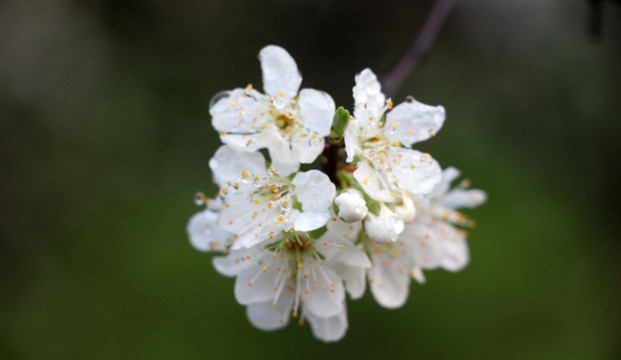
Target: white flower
(289,125)
(385,166)
(292,275)
(259,204)
(384,227)
(352,206)
(437,241)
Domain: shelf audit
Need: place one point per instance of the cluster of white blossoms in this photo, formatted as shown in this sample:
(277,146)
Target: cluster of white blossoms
(298,241)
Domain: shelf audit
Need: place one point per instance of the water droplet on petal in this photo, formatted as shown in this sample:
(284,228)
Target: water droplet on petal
(316,141)
(216,98)
(280,102)
(199,198)
(409,98)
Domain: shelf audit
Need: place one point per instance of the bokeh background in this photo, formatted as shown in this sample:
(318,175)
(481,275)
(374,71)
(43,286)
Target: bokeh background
(105,136)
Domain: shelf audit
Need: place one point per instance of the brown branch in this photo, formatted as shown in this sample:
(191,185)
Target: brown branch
(421,44)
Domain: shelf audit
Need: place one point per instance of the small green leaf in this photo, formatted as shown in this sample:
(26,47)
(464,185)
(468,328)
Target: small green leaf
(339,123)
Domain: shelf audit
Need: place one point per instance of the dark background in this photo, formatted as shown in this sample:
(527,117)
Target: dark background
(105,136)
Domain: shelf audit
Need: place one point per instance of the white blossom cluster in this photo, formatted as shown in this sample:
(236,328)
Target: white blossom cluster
(298,241)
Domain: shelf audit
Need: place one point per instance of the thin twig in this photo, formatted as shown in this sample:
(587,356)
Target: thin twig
(421,44)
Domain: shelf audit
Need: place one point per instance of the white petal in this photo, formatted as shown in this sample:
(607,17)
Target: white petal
(306,150)
(267,317)
(368,91)
(314,190)
(251,222)
(389,286)
(460,198)
(311,220)
(352,140)
(280,152)
(329,329)
(383,228)
(353,276)
(372,183)
(417,172)
(338,249)
(448,175)
(456,255)
(234,111)
(317,110)
(247,143)
(254,285)
(205,234)
(418,275)
(233,265)
(426,241)
(347,231)
(410,123)
(228,163)
(280,72)
(321,300)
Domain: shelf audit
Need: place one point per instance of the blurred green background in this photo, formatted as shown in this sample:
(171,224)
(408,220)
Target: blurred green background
(105,136)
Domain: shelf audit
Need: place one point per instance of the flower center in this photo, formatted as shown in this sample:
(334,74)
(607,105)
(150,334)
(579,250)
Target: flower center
(283,121)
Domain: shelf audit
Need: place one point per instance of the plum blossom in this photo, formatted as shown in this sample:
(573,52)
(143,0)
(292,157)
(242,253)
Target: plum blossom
(291,125)
(294,276)
(259,203)
(438,241)
(430,241)
(295,248)
(382,139)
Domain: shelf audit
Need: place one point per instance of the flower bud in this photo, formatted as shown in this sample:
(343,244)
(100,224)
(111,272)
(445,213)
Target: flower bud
(385,228)
(352,206)
(406,210)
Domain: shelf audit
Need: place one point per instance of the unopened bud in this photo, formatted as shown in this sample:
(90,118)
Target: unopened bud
(384,228)
(352,206)
(406,211)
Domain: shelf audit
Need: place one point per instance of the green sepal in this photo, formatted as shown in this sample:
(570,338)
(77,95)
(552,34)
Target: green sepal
(374,206)
(335,208)
(339,123)
(317,233)
(297,205)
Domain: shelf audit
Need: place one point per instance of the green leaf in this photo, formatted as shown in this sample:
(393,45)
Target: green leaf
(339,123)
